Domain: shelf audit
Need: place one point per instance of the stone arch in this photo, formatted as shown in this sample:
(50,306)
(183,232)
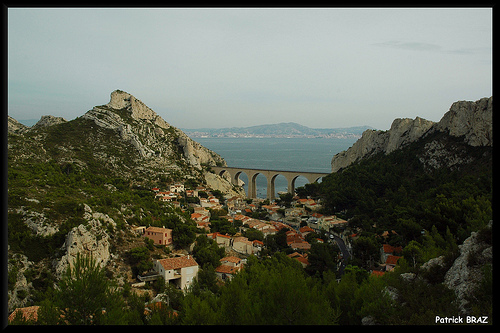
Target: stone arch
(221,173)
(235,179)
(252,183)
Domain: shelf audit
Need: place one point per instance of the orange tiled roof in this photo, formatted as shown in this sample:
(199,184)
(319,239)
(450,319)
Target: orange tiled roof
(227,269)
(390,249)
(178,262)
(392,260)
(231,259)
(378,273)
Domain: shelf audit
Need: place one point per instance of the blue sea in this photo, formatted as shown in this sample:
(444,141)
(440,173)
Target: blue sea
(287,154)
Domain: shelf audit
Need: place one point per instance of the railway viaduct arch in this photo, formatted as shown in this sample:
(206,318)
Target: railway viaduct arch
(270,175)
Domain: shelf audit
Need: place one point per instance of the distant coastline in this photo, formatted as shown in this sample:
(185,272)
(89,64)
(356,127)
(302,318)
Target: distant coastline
(281,130)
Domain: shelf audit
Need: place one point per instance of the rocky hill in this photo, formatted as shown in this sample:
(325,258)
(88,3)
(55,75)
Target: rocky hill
(470,120)
(141,139)
(78,186)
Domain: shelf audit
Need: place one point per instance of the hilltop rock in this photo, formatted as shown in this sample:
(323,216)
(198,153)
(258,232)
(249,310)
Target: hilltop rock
(139,125)
(13,126)
(138,110)
(472,120)
(49,121)
(402,132)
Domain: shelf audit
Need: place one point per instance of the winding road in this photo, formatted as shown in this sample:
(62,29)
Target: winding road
(345,252)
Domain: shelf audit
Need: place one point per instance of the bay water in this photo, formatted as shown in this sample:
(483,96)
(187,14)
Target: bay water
(285,154)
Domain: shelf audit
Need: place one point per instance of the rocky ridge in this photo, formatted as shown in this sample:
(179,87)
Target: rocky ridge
(146,130)
(472,120)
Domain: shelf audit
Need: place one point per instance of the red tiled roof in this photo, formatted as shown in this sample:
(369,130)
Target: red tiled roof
(178,262)
(378,273)
(231,259)
(227,269)
(392,260)
(306,229)
(390,249)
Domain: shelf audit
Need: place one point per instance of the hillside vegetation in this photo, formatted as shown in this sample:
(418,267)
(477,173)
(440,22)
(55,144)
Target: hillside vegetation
(432,197)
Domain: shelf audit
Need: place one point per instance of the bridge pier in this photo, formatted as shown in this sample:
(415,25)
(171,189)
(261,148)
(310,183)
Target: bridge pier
(270,175)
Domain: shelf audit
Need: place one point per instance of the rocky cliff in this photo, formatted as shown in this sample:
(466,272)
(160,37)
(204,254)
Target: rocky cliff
(147,131)
(470,120)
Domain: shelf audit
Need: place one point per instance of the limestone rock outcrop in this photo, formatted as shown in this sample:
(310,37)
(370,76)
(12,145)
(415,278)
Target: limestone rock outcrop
(402,132)
(13,126)
(18,295)
(472,120)
(90,239)
(465,274)
(147,131)
(49,121)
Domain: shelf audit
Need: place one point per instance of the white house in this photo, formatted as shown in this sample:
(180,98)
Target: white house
(177,188)
(179,270)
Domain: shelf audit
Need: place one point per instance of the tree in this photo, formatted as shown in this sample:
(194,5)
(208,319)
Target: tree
(322,257)
(207,252)
(367,249)
(286,199)
(413,252)
(84,291)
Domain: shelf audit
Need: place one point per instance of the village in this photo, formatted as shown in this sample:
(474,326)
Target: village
(298,219)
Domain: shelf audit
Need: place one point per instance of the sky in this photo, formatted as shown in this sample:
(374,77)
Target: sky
(225,67)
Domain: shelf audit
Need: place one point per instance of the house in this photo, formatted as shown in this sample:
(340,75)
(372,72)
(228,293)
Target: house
(391,262)
(177,188)
(302,258)
(178,270)
(305,230)
(138,230)
(191,193)
(292,237)
(160,236)
(220,239)
(303,245)
(242,245)
(202,221)
(257,246)
(229,266)
(388,250)
(166,196)
(210,202)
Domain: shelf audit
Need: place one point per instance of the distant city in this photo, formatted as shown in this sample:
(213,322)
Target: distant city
(281,130)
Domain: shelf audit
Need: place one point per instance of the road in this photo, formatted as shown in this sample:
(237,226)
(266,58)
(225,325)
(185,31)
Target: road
(345,253)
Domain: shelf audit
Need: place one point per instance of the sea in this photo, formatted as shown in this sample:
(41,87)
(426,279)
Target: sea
(285,154)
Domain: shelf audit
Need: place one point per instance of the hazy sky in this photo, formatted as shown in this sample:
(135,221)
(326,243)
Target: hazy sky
(323,68)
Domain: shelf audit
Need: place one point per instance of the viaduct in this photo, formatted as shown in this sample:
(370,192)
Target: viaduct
(270,175)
